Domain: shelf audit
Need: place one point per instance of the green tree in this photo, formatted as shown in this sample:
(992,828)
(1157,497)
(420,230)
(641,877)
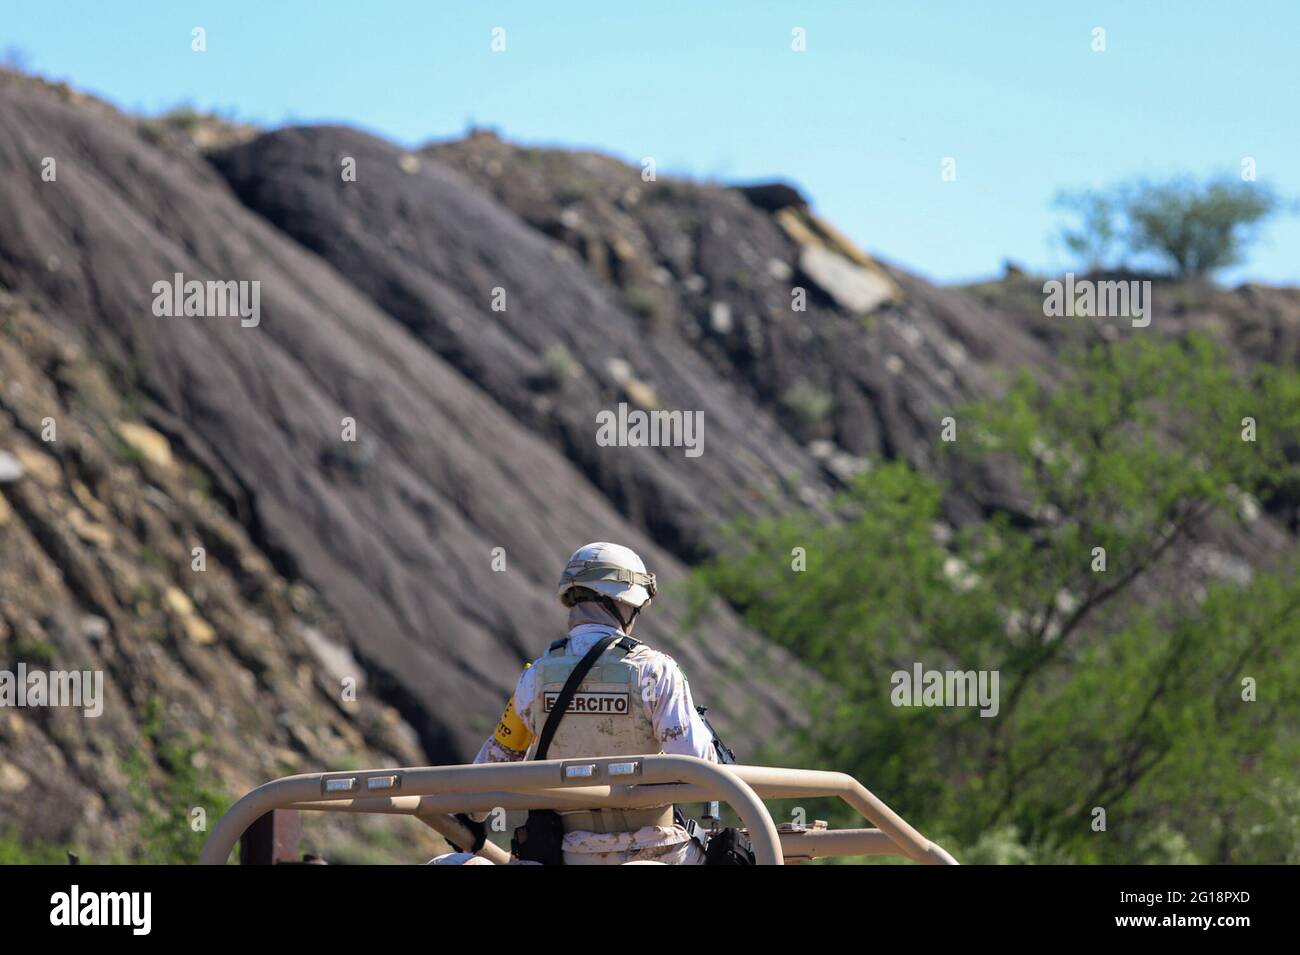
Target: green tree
(1193,228)
(1120,689)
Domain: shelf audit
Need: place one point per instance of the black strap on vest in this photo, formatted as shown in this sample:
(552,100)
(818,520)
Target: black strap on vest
(625,643)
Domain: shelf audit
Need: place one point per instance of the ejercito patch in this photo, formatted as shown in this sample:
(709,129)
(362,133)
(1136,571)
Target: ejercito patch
(595,702)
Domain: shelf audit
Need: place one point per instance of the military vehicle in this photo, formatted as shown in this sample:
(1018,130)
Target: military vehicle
(433,794)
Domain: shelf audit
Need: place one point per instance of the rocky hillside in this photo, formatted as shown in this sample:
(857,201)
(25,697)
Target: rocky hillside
(879,355)
(387,467)
(114,557)
(433,539)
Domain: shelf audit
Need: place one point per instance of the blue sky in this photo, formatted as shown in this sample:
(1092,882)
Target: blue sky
(861,121)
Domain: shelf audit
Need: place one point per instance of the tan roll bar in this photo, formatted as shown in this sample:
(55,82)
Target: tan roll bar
(432,793)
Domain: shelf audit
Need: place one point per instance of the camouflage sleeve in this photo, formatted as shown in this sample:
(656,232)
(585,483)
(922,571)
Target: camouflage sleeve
(667,697)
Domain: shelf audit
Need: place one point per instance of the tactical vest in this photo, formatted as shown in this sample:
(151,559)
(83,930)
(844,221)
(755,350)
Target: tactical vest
(605,718)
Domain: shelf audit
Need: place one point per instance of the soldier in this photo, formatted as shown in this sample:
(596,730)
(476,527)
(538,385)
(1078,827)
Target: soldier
(633,700)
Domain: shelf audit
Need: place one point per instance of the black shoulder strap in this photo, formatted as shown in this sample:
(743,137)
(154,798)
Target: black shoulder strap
(625,643)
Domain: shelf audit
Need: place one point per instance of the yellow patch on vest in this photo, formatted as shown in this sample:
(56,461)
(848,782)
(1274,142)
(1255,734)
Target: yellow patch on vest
(511,731)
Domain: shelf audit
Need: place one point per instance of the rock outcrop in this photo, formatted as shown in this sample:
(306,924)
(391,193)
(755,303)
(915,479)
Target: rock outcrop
(436,535)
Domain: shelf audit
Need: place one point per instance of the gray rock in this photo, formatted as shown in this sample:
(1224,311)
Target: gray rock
(854,288)
(93,627)
(11,469)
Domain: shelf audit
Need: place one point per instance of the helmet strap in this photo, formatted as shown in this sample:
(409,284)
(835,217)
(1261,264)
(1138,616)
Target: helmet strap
(624,613)
(612,605)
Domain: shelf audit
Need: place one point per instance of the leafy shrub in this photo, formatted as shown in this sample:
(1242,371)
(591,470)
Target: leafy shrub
(1119,690)
(808,403)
